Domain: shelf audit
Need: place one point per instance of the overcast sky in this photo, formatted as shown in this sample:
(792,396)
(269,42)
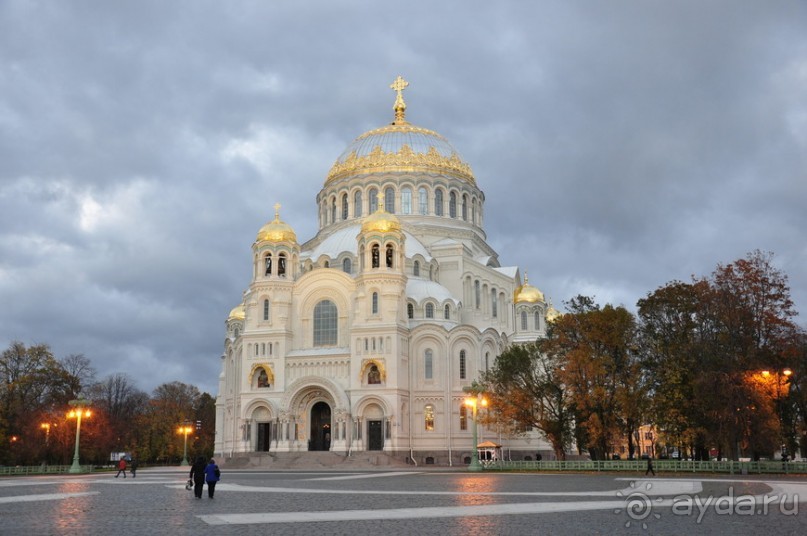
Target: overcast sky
(620,145)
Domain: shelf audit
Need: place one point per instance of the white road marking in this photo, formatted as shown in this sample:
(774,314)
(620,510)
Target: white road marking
(45,497)
(366,475)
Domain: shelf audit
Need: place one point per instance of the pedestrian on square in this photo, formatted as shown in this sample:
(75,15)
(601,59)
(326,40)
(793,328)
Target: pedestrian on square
(212,475)
(198,475)
(133,467)
(650,467)
(121,467)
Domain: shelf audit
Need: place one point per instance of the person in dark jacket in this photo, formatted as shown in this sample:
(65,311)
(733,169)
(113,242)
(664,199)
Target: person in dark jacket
(198,475)
(212,475)
(133,467)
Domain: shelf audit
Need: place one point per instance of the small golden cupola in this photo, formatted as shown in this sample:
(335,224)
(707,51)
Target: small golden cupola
(237,313)
(276,230)
(381,221)
(552,313)
(527,293)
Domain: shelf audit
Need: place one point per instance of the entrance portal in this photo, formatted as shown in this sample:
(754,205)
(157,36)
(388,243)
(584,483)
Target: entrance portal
(264,436)
(375,438)
(320,437)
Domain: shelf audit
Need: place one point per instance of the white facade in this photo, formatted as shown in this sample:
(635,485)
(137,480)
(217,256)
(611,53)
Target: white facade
(364,337)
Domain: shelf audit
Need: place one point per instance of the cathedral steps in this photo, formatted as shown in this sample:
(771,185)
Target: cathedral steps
(311,461)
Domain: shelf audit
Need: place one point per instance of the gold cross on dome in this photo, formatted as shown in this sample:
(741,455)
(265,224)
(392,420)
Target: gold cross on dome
(398,85)
(277,211)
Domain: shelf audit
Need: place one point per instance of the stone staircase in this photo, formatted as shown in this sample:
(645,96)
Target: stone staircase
(312,461)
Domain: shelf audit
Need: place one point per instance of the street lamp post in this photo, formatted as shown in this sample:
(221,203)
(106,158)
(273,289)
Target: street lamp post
(473,402)
(80,409)
(185,430)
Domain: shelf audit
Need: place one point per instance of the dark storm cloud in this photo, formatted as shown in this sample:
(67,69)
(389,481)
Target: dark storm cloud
(620,145)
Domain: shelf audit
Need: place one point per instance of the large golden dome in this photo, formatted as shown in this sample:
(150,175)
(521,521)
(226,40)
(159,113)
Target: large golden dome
(527,293)
(400,147)
(276,230)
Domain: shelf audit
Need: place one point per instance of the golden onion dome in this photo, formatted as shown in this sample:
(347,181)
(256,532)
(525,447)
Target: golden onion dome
(380,220)
(400,147)
(527,293)
(276,230)
(237,313)
(552,313)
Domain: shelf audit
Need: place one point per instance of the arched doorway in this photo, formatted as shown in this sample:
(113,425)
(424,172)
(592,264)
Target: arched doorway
(320,436)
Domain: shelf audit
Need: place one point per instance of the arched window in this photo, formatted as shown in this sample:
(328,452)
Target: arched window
(423,201)
(452,205)
(263,348)
(487,358)
(346,265)
(357,204)
(267,262)
(473,210)
(281,265)
(325,323)
(333,210)
(256,349)
(389,200)
(447,312)
(410,311)
(463,417)
(465,207)
(477,294)
(376,254)
(390,255)
(327,264)
(494,305)
(266,310)
(428,418)
(462,365)
(429,310)
(438,202)
(406,201)
(375,303)
(537,321)
(428,365)
(374,375)
(344,206)
(373,200)
(416,269)
(523,320)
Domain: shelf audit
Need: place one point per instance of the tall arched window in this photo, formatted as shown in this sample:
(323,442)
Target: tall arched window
(537,321)
(494,305)
(487,359)
(438,202)
(416,269)
(410,311)
(477,294)
(266,309)
(373,193)
(423,201)
(390,255)
(375,254)
(406,201)
(428,365)
(347,266)
(267,262)
(473,210)
(357,204)
(389,200)
(523,320)
(333,210)
(344,206)
(375,303)
(462,365)
(428,418)
(465,207)
(447,312)
(429,310)
(463,417)
(325,323)
(281,265)
(452,205)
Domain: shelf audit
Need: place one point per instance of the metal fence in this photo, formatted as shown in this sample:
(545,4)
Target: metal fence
(660,466)
(40,469)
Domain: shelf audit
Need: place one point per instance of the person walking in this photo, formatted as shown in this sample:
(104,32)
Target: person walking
(121,467)
(133,467)
(198,475)
(650,467)
(212,475)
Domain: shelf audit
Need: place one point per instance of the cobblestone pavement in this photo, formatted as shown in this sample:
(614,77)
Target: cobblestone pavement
(431,502)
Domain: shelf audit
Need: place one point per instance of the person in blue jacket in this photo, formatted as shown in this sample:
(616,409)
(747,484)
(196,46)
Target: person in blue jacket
(212,475)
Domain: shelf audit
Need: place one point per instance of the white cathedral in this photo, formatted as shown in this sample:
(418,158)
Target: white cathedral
(363,337)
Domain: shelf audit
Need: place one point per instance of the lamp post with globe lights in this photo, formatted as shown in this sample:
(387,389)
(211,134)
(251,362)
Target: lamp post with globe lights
(474,402)
(80,409)
(185,429)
